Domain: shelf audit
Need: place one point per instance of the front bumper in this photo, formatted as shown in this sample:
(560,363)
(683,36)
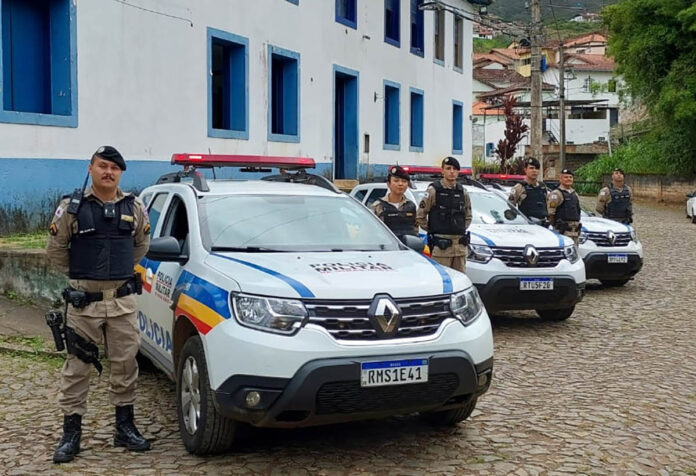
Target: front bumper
(503,293)
(598,267)
(328,391)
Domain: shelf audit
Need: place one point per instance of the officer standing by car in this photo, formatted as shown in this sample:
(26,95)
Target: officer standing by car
(97,236)
(530,196)
(394,209)
(564,207)
(616,201)
(445,213)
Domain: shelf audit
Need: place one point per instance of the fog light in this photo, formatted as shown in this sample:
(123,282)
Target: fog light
(482,380)
(253,398)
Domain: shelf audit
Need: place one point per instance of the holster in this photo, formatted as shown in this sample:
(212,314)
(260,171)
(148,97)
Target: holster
(465,239)
(80,299)
(561,226)
(82,348)
(442,243)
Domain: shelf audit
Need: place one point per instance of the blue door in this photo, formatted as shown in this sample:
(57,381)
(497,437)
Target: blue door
(346,148)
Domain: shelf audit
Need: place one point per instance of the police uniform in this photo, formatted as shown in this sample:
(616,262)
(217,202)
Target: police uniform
(445,213)
(616,203)
(98,250)
(564,211)
(530,198)
(399,217)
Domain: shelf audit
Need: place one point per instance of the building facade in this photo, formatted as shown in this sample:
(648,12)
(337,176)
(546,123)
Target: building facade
(354,84)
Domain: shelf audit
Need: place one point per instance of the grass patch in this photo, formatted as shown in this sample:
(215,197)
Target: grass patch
(35,240)
(36,343)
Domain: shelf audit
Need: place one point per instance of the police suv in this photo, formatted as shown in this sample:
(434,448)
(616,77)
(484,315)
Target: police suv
(281,302)
(514,263)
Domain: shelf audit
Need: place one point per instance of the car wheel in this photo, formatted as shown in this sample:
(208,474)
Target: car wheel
(555,314)
(203,430)
(693,218)
(614,283)
(450,417)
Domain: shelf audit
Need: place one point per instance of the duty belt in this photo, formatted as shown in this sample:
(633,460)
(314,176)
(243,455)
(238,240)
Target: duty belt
(81,299)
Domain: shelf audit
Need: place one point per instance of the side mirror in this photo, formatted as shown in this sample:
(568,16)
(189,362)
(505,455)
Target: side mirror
(166,248)
(413,242)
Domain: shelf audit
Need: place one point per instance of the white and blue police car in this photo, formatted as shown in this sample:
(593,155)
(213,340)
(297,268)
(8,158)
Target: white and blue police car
(515,264)
(281,302)
(691,206)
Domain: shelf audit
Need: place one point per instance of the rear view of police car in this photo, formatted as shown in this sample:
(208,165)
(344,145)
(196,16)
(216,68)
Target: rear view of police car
(280,303)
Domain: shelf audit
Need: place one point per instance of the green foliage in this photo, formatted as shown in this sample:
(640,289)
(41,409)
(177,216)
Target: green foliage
(36,240)
(482,45)
(482,166)
(567,29)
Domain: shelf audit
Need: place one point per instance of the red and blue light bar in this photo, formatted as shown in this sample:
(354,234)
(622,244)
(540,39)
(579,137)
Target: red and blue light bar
(222,160)
(501,177)
(419,169)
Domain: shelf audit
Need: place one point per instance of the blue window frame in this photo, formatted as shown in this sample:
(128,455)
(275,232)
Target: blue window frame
(392,22)
(457,127)
(347,12)
(391,115)
(283,95)
(228,85)
(417,29)
(417,110)
(296,2)
(38,62)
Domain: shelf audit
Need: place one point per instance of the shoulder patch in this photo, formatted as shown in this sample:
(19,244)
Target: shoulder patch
(59,211)
(53,229)
(146,230)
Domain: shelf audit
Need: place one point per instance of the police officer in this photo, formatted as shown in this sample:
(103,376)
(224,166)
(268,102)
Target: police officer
(530,196)
(564,207)
(97,236)
(394,209)
(616,200)
(445,213)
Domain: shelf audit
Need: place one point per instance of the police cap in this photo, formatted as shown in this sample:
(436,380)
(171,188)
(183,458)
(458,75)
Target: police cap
(620,171)
(567,172)
(533,162)
(451,161)
(109,153)
(396,171)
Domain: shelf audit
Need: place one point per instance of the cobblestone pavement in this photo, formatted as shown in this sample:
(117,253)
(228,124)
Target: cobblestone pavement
(611,390)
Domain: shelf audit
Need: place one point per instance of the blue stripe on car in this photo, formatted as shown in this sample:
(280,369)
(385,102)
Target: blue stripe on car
(486,240)
(446,281)
(560,238)
(300,288)
(206,293)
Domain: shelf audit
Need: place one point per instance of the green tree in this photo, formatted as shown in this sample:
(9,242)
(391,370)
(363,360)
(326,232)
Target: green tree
(654,44)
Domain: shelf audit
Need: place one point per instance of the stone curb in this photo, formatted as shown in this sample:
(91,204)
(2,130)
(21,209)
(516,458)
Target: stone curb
(22,349)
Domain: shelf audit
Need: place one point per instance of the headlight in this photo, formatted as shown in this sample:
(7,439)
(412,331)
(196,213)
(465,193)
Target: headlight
(479,254)
(582,238)
(282,316)
(571,253)
(466,305)
(634,235)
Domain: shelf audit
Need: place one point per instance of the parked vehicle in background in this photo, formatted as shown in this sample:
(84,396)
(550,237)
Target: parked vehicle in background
(691,206)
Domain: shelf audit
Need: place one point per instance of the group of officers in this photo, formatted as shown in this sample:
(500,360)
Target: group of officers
(445,209)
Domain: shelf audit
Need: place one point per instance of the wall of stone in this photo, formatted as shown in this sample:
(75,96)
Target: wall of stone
(28,274)
(658,187)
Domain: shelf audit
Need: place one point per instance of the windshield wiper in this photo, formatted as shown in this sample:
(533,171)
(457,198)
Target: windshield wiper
(248,249)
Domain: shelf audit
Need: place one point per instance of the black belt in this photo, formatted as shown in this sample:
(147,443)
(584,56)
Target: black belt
(81,299)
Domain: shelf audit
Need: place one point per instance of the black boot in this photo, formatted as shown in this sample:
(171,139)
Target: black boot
(126,433)
(69,444)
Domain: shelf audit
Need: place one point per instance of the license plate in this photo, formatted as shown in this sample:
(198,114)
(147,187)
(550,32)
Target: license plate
(536,284)
(393,372)
(617,259)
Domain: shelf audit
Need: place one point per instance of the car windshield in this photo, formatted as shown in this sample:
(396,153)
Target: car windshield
(265,223)
(489,208)
(418,195)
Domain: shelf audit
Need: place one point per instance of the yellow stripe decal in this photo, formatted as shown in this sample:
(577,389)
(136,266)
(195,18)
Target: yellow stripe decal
(199,311)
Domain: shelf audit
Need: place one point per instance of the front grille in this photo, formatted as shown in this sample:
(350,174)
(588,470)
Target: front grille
(601,239)
(348,320)
(350,397)
(514,257)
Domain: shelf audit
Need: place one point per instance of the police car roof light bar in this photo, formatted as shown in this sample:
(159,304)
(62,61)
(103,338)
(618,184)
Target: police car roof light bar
(501,177)
(242,161)
(419,169)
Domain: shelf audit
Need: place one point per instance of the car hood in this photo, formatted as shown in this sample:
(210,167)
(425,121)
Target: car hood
(332,275)
(602,225)
(516,236)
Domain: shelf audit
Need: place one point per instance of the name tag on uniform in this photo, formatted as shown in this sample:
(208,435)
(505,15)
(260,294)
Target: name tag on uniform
(128,218)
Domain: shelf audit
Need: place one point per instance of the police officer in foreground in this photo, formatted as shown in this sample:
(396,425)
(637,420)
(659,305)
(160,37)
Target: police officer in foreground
(530,196)
(97,236)
(394,209)
(445,213)
(564,207)
(616,201)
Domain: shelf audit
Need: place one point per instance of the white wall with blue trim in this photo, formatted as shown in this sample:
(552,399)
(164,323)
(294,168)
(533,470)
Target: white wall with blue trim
(140,82)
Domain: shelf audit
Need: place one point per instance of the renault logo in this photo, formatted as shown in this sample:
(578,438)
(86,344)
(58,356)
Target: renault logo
(384,315)
(611,236)
(531,255)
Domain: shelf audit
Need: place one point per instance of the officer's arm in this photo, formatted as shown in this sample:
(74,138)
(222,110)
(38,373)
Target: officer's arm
(601,202)
(467,209)
(514,195)
(59,234)
(425,205)
(551,204)
(376,209)
(141,235)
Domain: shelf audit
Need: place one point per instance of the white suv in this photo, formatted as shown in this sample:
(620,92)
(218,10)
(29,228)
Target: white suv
(514,264)
(280,303)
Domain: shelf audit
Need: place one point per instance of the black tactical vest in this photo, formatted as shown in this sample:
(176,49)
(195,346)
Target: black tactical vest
(569,210)
(447,216)
(402,221)
(534,204)
(619,208)
(102,248)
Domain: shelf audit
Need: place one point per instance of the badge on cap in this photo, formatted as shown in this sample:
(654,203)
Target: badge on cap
(101,150)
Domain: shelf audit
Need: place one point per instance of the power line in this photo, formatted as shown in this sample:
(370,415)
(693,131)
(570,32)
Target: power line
(124,2)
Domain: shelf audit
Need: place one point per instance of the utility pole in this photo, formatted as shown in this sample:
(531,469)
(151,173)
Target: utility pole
(536,99)
(561,105)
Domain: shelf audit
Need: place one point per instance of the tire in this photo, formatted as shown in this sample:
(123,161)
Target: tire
(555,314)
(693,218)
(614,283)
(450,417)
(203,430)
